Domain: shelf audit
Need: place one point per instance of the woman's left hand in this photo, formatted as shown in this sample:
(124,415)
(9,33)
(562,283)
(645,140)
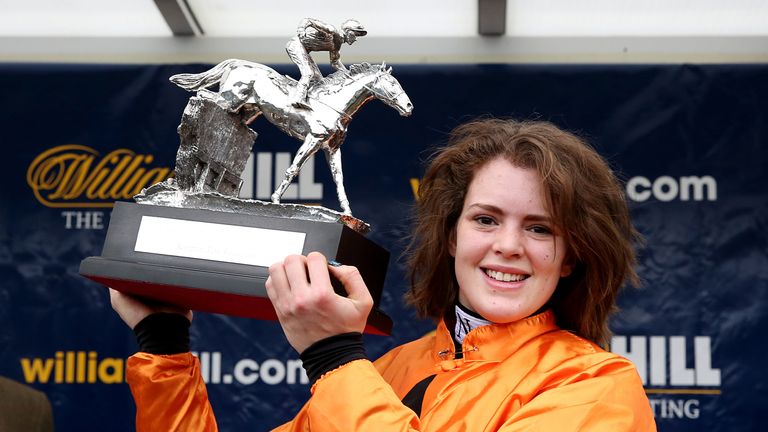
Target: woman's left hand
(132,310)
(306,305)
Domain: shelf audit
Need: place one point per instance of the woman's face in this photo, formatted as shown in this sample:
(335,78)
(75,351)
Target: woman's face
(508,254)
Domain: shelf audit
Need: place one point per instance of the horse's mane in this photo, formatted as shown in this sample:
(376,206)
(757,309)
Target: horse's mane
(359,68)
(338,77)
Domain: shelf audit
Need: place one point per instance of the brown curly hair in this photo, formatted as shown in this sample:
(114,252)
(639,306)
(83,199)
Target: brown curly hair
(584,197)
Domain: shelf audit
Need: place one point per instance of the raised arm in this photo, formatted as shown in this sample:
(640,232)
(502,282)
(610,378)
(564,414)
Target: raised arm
(170,393)
(164,376)
(348,393)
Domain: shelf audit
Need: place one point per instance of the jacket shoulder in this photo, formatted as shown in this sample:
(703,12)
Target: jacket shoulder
(562,351)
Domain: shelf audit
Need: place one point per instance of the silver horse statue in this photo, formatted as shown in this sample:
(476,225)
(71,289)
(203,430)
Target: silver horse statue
(332,102)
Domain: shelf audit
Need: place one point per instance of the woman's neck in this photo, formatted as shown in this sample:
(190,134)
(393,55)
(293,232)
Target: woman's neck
(466,321)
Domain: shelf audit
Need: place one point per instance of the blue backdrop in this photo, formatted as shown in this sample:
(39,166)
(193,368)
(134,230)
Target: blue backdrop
(688,140)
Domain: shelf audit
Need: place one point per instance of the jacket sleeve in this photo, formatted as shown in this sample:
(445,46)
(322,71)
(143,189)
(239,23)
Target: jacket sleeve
(353,397)
(170,393)
(612,402)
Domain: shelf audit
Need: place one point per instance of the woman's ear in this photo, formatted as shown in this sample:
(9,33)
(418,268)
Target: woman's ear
(566,269)
(569,264)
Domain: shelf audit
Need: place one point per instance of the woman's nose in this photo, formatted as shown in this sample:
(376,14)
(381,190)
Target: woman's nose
(508,243)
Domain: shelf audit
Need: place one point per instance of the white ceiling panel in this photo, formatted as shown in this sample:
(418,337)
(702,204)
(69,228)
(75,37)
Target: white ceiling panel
(391,18)
(418,18)
(637,18)
(94,18)
(414,31)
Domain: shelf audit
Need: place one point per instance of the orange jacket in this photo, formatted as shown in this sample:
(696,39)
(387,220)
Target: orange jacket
(170,393)
(524,376)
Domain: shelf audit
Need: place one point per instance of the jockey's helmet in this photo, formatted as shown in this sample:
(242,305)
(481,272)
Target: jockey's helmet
(353,26)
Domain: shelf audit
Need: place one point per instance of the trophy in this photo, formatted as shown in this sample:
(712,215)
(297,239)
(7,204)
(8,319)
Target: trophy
(190,241)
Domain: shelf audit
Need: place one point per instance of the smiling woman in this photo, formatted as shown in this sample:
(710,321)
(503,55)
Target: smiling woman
(508,254)
(522,241)
(569,187)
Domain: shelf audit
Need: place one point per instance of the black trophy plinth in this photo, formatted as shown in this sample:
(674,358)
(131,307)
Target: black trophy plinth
(217,261)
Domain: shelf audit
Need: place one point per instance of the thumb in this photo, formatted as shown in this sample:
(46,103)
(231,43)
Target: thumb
(353,283)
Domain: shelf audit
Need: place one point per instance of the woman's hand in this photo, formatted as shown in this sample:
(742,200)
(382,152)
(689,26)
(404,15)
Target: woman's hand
(306,305)
(132,310)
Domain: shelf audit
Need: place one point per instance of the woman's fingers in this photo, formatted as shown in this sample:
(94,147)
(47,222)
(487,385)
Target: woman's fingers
(353,283)
(132,310)
(277,283)
(308,308)
(298,279)
(317,268)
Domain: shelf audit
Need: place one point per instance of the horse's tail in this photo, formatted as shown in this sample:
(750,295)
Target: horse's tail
(203,79)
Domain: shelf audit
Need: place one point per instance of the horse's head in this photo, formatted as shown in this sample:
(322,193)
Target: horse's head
(387,89)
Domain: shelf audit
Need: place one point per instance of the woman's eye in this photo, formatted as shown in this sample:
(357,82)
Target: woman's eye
(540,229)
(485,220)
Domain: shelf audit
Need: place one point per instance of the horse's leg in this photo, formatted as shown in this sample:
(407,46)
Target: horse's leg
(305,152)
(334,162)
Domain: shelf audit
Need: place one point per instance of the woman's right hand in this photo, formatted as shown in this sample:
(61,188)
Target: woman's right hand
(132,310)
(308,308)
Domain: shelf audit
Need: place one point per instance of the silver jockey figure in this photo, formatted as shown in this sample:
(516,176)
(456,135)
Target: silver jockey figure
(315,35)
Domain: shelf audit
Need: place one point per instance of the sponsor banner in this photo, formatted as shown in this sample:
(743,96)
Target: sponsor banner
(688,141)
(86,367)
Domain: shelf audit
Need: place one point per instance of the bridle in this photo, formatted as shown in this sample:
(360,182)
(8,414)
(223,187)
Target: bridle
(384,93)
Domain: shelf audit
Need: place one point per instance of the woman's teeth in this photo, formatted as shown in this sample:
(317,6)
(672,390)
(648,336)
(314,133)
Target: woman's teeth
(505,277)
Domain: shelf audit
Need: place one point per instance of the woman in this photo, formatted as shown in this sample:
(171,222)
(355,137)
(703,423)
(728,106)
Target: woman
(522,241)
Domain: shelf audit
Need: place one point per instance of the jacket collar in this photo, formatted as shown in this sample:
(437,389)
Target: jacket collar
(493,342)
